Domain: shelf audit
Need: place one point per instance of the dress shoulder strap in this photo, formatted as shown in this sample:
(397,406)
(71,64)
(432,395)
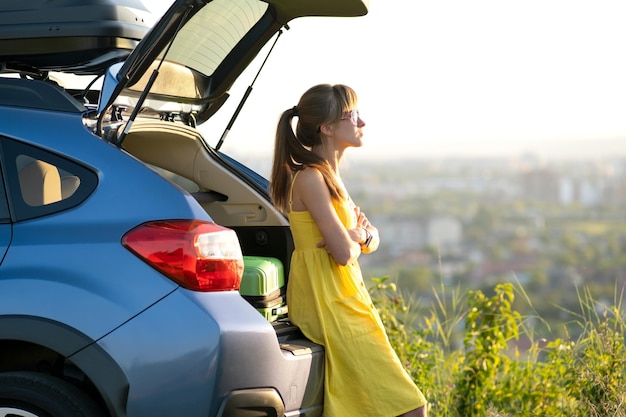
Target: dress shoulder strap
(293,180)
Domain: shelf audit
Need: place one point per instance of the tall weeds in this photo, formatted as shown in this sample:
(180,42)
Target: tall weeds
(464,351)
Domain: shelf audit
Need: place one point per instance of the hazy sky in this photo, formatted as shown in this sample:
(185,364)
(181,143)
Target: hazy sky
(452,77)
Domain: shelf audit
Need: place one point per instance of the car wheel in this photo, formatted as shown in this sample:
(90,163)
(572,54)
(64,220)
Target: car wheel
(31,394)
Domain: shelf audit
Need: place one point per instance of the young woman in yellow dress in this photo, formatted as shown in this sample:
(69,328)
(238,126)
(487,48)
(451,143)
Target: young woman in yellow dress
(326,294)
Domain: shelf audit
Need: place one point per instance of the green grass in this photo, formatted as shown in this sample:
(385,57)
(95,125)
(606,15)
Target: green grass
(474,355)
(597,228)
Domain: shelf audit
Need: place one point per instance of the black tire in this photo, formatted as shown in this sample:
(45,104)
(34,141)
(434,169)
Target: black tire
(31,394)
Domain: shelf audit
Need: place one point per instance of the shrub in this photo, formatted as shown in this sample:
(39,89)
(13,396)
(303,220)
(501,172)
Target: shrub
(487,375)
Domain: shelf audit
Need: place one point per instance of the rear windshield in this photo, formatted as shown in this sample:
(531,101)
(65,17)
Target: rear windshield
(220,24)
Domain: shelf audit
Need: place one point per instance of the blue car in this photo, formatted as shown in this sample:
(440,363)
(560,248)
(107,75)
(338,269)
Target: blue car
(124,236)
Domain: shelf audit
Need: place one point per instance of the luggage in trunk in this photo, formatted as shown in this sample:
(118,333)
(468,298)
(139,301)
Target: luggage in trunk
(81,36)
(263,286)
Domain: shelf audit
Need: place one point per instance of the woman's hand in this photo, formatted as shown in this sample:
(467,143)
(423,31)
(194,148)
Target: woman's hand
(363,231)
(358,234)
(361,219)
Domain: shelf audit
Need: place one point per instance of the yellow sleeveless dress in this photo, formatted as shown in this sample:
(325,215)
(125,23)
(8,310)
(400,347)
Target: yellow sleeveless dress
(331,305)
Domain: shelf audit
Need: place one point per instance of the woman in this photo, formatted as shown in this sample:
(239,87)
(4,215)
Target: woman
(327,297)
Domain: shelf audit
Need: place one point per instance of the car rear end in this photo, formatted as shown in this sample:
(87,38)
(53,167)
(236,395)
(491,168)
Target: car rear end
(263,362)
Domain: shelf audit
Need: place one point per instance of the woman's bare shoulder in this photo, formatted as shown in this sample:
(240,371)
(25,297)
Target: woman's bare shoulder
(309,189)
(310,172)
(309,177)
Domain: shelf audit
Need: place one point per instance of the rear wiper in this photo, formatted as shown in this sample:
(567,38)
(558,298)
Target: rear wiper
(247,93)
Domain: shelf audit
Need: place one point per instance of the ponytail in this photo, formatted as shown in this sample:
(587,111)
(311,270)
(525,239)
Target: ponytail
(319,105)
(283,166)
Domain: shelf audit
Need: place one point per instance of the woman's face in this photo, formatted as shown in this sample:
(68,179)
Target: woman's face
(348,131)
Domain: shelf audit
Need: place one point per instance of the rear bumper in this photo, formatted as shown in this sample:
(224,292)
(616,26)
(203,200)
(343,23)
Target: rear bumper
(262,402)
(212,354)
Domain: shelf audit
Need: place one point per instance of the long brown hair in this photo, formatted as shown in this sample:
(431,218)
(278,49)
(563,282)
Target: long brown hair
(321,104)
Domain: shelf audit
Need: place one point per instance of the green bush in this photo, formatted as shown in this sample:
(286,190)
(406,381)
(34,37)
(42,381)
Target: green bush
(464,352)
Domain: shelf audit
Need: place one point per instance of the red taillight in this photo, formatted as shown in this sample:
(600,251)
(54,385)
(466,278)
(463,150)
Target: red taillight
(200,256)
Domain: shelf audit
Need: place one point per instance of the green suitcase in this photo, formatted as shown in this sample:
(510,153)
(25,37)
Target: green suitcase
(263,286)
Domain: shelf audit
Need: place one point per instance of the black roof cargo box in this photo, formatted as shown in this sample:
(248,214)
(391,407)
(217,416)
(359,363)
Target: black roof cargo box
(80,36)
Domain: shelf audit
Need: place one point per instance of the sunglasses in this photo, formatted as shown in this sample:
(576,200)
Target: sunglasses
(353,115)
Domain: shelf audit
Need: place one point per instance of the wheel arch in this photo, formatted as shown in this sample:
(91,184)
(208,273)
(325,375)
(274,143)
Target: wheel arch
(37,344)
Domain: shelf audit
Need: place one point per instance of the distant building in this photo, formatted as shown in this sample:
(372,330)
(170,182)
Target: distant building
(400,234)
(586,192)
(615,193)
(566,191)
(540,185)
(590,194)
(444,231)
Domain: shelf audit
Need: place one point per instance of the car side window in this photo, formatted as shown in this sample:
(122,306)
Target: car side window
(41,182)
